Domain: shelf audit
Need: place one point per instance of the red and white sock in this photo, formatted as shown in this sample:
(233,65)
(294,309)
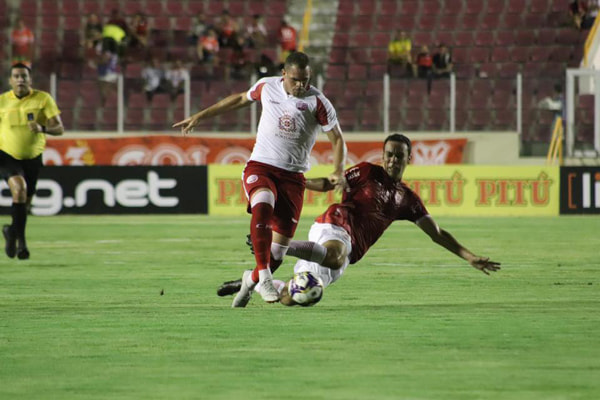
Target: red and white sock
(262,206)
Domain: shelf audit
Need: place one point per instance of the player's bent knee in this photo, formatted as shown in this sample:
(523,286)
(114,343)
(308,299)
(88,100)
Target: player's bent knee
(334,258)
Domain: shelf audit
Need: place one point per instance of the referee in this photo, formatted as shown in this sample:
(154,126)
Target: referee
(25,116)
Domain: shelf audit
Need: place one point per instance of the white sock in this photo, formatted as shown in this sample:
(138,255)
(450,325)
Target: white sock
(310,251)
(264,274)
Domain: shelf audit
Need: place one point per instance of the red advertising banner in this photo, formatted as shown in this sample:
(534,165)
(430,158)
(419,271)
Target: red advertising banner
(177,150)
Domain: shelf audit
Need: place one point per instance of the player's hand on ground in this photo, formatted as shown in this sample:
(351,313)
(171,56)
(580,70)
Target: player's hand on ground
(339,181)
(485,265)
(187,125)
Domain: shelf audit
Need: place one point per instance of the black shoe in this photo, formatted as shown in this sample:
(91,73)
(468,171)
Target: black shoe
(249,243)
(23,253)
(229,288)
(10,246)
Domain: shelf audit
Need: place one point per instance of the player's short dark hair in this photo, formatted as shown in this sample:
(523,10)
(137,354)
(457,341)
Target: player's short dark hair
(19,66)
(398,137)
(297,58)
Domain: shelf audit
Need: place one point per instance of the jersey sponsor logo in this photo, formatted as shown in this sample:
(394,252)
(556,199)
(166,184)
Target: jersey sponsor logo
(274,102)
(251,179)
(287,124)
(302,106)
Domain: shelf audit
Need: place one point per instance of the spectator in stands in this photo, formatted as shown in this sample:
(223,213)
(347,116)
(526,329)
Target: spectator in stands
(264,67)
(424,65)
(237,67)
(208,47)
(107,64)
(399,53)
(153,76)
(118,20)
(139,32)
(590,15)
(227,30)
(577,10)
(256,33)
(92,32)
(118,35)
(199,28)
(175,77)
(442,62)
(287,41)
(21,39)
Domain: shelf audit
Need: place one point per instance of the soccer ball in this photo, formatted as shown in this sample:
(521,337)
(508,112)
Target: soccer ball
(305,289)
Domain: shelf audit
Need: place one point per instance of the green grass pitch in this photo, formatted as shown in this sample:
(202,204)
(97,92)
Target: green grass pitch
(84,317)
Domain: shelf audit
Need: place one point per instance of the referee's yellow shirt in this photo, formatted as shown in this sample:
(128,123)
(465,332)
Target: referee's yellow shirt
(16,138)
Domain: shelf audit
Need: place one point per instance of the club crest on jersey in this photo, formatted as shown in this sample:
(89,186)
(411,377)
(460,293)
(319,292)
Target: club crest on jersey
(287,123)
(251,179)
(302,106)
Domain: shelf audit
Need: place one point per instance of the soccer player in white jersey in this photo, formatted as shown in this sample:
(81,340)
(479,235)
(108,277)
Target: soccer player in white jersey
(293,112)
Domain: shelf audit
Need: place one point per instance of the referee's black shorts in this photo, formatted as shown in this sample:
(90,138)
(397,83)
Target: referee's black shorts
(28,169)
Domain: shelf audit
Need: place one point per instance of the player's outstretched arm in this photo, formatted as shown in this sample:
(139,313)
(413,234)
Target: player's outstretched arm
(229,103)
(339,157)
(446,240)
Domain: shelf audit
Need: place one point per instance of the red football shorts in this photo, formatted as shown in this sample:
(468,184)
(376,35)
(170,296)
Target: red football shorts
(288,188)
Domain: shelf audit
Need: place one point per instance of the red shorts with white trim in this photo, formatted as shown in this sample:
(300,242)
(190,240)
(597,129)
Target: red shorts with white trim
(288,188)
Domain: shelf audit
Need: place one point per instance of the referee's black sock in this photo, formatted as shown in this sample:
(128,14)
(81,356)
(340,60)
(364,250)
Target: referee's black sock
(19,218)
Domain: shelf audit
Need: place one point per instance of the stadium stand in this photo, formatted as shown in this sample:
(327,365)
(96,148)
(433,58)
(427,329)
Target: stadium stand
(490,41)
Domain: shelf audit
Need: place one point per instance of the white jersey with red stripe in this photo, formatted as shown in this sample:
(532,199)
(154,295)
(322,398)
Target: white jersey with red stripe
(288,125)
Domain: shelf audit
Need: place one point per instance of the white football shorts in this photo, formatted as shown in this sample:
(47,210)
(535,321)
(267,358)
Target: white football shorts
(321,233)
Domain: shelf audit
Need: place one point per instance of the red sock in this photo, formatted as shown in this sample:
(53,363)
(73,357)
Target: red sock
(261,235)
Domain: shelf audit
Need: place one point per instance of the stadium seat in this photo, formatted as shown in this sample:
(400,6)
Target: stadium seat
(512,21)
(195,7)
(133,7)
(519,54)
(508,70)
(346,8)
(436,120)
(71,8)
(495,7)
(448,22)
(366,7)
(490,21)
(516,7)
(484,38)
(480,119)
(28,7)
(363,23)
(538,7)
(463,39)
(344,23)
(137,100)
(413,118)
(525,37)
(86,119)
(387,7)
(67,93)
(452,7)
(470,22)
(409,8)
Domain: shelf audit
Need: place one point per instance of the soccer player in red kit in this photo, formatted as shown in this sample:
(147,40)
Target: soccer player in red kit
(293,112)
(376,197)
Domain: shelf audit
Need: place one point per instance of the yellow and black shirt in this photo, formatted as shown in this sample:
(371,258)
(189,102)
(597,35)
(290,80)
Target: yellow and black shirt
(16,138)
